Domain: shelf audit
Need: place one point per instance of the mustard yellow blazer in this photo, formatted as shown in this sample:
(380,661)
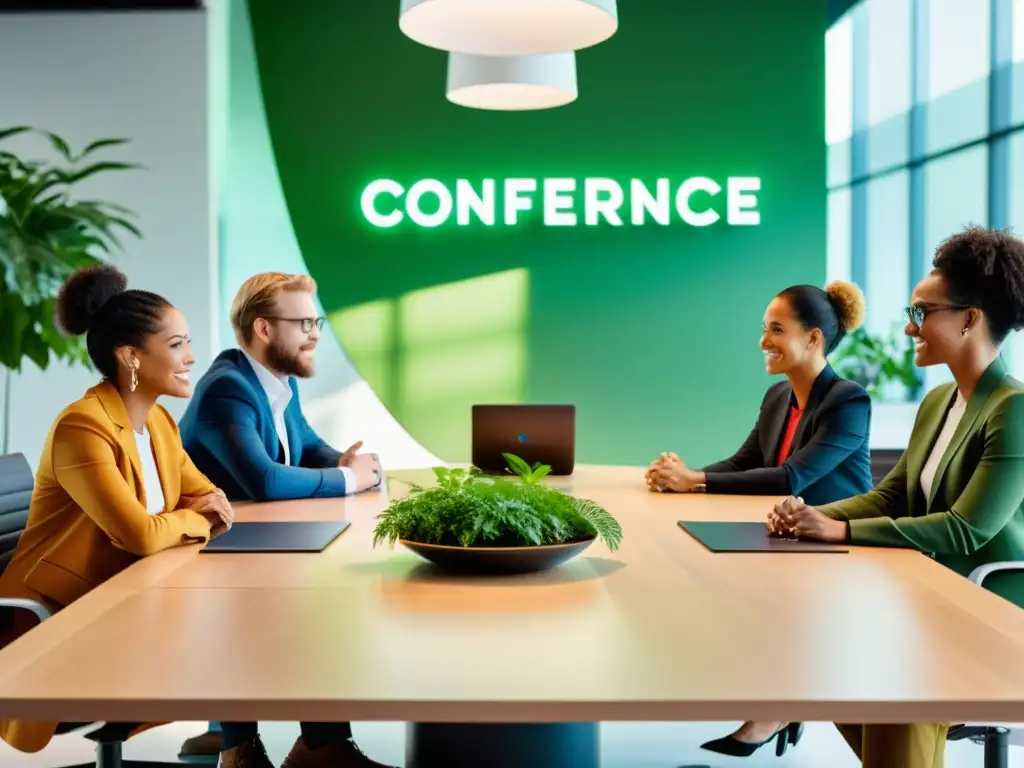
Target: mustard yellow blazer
(87,518)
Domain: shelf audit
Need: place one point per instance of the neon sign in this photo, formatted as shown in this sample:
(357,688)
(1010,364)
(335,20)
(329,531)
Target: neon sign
(430,203)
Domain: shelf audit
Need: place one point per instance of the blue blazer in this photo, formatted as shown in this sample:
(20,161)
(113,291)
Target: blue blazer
(228,431)
(829,459)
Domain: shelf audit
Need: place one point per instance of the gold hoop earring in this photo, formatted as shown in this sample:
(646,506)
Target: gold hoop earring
(135,378)
(964,331)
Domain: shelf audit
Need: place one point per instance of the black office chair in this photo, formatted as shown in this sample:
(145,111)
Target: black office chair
(882,462)
(995,738)
(16,483)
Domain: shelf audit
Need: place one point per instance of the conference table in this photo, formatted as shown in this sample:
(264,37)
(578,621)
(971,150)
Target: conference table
(662,629)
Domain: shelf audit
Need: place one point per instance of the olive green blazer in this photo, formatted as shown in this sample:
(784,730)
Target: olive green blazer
(975,514)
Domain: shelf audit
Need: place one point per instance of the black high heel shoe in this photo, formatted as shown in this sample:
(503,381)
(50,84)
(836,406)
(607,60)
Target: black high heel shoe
(733,747)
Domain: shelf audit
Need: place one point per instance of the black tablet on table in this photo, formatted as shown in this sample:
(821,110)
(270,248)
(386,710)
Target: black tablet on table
(751,537)
(278,537)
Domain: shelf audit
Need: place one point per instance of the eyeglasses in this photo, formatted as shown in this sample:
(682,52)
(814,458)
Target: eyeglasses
(916,313)
(306,323)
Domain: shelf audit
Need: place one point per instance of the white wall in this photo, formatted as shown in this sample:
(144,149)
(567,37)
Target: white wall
(142,76)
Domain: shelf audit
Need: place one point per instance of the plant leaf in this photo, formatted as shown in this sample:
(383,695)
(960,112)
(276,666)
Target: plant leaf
(60,145)
(8,132)
(540,472)
(517,465)
(35,348)
(92,170)
(127,225)
(100,144)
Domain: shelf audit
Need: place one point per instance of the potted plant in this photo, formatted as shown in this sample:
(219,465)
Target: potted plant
(46,234)
(884,366)
(473,522)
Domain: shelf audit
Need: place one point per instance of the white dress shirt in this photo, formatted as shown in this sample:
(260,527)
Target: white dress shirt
(279,394)
(155,502)
(956,413)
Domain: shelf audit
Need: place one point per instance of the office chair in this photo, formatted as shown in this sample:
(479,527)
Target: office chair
(882,462)
(994,738)
(16,483)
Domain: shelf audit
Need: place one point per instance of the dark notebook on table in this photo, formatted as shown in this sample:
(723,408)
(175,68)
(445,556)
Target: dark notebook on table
(278,537)
(751,537)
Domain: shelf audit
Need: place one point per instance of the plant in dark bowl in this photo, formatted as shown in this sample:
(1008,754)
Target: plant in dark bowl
(473,522)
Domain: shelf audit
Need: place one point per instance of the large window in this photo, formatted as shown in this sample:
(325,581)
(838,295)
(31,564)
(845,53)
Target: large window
(888,279)
(839,100)
(958,63)
(887,25)
(924,102)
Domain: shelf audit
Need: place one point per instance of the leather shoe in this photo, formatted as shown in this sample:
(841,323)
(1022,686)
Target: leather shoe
(207,744)
(251,754)
(343,754)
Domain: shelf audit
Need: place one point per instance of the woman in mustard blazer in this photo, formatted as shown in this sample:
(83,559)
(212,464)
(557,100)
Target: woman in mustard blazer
(113,483)
(957,492)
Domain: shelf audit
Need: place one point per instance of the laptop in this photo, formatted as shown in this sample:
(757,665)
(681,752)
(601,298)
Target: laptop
(544,434)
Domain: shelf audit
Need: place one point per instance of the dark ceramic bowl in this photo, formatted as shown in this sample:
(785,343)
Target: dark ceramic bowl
(497,560)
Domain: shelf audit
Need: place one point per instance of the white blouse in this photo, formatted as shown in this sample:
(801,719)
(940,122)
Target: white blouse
(150,476)
(956,412)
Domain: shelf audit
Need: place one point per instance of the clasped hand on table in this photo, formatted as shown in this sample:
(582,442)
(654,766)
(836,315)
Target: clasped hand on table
(216,508)
(792,517)
(365,466)
(669,473)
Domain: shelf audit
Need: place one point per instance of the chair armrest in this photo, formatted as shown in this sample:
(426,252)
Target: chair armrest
(26,605)
(979,574)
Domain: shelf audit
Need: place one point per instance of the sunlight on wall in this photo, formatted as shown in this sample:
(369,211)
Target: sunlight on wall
(367,333)
(432,353)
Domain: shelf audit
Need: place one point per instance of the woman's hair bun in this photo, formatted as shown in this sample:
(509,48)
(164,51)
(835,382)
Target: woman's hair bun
(84,293)
(848,302)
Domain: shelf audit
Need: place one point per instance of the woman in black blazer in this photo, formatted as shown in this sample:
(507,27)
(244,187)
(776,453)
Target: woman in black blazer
(810,439)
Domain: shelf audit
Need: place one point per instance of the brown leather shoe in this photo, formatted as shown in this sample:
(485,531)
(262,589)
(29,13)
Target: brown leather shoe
(248,755)
(343,755)
(207,744)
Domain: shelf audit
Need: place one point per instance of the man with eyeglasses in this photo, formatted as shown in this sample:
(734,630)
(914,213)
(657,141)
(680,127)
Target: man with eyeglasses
(244,426)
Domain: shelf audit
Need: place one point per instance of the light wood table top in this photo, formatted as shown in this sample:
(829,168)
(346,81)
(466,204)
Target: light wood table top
(660,630)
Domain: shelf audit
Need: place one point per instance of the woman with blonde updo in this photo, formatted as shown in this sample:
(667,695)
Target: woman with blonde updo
(810,439)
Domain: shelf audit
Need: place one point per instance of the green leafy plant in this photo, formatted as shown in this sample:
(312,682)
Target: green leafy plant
(470,509)
(876,361)
(46,234)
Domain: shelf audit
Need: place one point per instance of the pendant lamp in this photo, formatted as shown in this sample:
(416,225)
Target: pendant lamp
(512,82)
(508,27)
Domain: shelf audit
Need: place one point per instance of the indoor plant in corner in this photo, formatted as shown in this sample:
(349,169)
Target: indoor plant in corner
(472,522)
(46,234)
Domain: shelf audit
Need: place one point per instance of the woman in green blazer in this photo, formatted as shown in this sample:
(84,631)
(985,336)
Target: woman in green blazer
(957,492)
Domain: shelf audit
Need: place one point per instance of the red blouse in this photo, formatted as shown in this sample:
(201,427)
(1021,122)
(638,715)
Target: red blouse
(787,436)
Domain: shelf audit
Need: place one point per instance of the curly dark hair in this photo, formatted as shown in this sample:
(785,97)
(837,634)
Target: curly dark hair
(984,268)
(96,301)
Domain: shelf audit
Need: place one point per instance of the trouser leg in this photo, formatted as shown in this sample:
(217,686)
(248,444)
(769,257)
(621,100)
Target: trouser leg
(913,745)
(238,733)
(317,735)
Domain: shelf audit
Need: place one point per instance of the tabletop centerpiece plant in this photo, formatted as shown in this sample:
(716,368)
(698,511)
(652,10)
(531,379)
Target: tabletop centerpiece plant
(471,521)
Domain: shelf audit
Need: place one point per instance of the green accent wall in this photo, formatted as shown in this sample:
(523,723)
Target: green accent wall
(651,331)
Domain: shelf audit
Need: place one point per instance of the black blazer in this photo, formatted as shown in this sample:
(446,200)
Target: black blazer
(829,458)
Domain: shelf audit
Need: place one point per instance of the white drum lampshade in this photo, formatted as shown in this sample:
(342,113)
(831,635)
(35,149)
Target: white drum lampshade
(508,27)
(512,82)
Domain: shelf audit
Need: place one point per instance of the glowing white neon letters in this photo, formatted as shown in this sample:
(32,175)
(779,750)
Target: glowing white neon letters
(430,203)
